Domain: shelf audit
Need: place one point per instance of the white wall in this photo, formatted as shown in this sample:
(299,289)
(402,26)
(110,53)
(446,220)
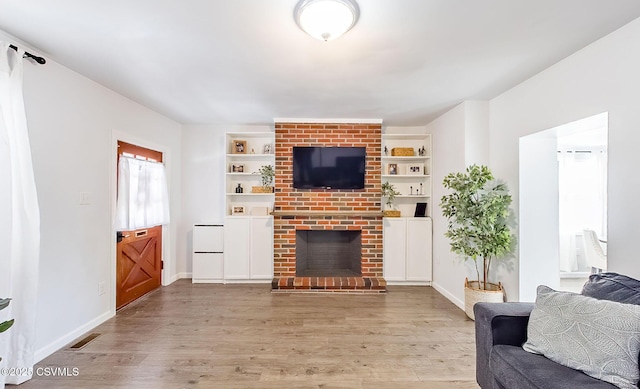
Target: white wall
(460,138)
(448,156)
(539,214)
(476,116)
(603,77)
(203,181)
(71,120)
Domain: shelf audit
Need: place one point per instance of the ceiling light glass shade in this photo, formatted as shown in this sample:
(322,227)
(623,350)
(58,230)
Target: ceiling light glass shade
(326,19)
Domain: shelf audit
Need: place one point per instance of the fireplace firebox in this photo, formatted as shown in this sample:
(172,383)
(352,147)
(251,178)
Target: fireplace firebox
(328,253)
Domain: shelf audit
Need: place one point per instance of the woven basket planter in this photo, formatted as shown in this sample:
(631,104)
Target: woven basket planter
(261,189)
(473,294)
(391,213)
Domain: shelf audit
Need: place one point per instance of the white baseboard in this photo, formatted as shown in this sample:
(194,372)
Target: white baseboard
(409,283)
(206,281)
(176,277)
(244,281)
(459,303)
(62,341)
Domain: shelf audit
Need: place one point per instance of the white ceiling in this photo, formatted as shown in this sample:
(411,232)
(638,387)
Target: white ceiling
(246,61)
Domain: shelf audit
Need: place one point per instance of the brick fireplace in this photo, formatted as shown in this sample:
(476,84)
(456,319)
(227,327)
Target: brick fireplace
(297,210)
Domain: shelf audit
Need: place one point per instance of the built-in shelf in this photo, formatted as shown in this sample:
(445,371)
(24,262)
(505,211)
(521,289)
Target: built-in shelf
(257,175)
(250,194)
(400,158)
(249,156)
(416,176)
(412,172)
(241,170)
(327,213)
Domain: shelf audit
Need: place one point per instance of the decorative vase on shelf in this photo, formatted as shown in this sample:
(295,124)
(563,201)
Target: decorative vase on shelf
(239,189)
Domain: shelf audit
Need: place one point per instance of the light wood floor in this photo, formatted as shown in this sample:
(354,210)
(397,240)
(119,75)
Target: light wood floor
(243,336)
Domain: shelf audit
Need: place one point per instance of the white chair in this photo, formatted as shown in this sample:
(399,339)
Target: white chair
(593,253)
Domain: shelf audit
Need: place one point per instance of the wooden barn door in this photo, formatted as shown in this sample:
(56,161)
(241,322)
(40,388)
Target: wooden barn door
(138,252)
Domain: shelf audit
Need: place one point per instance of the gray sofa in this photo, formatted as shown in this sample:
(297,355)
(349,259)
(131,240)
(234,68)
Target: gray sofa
(501,330)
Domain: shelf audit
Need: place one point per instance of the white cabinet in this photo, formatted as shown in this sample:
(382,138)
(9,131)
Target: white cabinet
(246,152)
(261,248)
(248,242)
(407,250)
(409,174)
(208,253)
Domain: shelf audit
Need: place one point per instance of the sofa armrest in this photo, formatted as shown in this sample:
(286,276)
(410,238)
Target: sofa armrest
(497,323)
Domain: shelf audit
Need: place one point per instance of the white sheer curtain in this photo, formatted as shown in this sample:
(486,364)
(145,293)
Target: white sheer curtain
(582,199)
(19,223)
(143,199)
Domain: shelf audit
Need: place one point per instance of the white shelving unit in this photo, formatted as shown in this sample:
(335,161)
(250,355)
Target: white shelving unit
(413,173)
(241,168)
(248,236)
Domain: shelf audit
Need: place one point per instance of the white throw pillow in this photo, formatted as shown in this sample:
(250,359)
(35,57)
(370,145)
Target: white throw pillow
(598,337)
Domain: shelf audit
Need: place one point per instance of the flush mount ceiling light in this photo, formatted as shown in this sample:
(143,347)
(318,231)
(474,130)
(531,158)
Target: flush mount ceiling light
(326,19)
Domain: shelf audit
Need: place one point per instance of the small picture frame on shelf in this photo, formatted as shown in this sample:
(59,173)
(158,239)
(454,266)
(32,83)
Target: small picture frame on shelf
(239,146)
(415,170)
(237,168)
(267,148)
(421,210)
(238,210)
(392,169)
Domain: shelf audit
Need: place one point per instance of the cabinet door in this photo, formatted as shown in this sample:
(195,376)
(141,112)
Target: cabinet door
(236,248)
(419,249)
(261,251)
(394,248)
(207,267)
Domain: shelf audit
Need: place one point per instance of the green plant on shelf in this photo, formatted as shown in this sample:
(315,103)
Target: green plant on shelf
(389,191)
(267,173)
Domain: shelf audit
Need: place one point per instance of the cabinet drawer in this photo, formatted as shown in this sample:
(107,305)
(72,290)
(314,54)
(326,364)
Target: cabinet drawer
(208,239)
(207,267)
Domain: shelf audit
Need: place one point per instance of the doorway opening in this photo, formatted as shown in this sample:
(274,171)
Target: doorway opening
(563,198)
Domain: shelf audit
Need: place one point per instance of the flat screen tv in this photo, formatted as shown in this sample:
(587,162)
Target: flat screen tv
(329,167)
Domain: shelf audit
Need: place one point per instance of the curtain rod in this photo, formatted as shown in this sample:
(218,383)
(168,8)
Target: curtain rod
(39,60)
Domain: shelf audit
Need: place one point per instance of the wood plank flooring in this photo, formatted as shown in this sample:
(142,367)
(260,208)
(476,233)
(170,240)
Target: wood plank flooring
(242,336)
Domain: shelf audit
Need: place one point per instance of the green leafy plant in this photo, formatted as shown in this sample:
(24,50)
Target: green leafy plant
(389,192)
(5,325)
(477,211)
(267,173)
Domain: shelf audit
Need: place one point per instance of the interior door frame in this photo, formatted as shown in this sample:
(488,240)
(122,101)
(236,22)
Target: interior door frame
(113,179)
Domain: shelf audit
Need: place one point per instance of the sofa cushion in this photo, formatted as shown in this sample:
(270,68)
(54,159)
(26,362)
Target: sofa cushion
(613,287)
(598,337)
(513,367)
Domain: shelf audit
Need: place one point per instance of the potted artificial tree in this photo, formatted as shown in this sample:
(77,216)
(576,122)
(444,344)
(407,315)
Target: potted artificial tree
(267,173)
(477,211)
(390,193)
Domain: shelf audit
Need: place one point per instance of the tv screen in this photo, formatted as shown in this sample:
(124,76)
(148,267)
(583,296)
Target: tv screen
(329,167)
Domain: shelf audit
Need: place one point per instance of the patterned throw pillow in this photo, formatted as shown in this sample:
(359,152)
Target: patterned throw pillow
(598,337)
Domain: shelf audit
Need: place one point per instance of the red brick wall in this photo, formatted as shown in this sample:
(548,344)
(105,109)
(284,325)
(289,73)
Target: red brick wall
(288,198)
